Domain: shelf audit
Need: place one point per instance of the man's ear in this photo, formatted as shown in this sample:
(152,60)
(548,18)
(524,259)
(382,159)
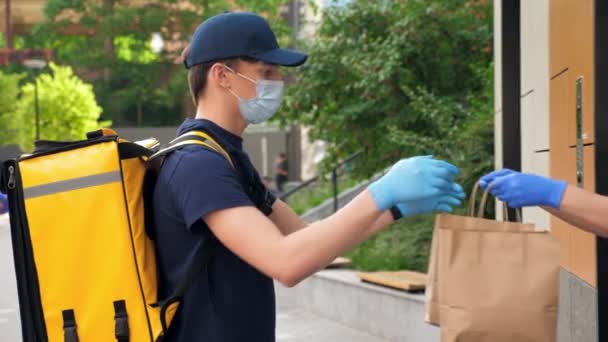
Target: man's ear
(219,75)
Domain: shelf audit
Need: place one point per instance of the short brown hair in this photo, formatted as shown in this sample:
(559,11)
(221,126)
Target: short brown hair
(197,74)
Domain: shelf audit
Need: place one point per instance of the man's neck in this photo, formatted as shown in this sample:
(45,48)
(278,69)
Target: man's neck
(232,123)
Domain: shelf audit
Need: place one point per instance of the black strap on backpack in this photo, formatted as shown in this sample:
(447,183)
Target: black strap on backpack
(121,321)
(69,326)
(201,259)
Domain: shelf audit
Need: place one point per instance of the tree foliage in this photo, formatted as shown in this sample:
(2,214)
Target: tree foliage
(108,41)
(398,78)
(9,94)
(68,109)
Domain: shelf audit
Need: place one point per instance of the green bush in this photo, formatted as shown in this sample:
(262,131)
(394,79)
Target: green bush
(404,245)
(68,109)
(9,94)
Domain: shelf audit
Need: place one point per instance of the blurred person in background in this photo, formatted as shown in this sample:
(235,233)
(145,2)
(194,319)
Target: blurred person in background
(281,171)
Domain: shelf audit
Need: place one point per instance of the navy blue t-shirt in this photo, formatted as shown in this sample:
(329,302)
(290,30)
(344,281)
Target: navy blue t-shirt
(230,301)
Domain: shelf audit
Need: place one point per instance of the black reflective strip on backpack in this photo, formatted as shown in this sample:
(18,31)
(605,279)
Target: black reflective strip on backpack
(69,326)
(121,321)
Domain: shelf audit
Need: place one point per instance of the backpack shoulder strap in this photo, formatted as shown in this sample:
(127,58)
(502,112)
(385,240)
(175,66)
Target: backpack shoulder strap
(192,138)
(205,250)
(203,254)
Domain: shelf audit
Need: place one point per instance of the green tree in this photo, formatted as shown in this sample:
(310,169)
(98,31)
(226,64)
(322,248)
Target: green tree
(68,109)
(9,94)
(398,78)
(395,78)
(110,40)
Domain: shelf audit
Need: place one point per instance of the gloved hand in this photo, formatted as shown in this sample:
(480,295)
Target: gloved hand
(524,189)
(411,179)
(3,203)
(487,179)
(440,203)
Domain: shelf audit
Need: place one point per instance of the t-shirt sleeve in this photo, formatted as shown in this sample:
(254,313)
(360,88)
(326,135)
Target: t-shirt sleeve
(204,182)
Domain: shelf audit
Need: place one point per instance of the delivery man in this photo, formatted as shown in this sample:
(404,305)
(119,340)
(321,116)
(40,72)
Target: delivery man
(234,77)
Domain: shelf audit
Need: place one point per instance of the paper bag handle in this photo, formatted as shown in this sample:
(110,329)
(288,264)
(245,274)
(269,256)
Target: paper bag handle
(483,205)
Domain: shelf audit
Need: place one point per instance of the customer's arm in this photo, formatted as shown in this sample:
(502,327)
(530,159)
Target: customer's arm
(576,206)
(583,209)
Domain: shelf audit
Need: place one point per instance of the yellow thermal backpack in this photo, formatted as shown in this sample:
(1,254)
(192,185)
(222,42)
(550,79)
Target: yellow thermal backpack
(85,265)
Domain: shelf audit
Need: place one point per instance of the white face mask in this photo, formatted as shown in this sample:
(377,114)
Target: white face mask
(266,102)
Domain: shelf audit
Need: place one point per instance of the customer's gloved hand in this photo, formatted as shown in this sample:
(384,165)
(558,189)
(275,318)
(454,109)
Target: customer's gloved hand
(490,177)
(3,203)
(524,189)
(415,178)
(444,202)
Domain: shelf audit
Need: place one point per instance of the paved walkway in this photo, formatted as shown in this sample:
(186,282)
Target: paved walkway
(10,328)
(295,324)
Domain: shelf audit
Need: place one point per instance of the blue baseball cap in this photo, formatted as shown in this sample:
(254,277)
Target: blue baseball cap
(239,34)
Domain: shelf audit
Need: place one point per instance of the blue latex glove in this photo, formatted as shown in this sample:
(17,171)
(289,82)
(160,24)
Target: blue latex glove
(441,203)
(524,189)
(3,203)
(411,179)
(487,179)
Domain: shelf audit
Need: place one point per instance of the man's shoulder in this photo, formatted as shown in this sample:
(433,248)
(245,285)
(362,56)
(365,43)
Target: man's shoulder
(194,162)
(197,157)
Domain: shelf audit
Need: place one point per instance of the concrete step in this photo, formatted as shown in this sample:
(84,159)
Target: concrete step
(340,296)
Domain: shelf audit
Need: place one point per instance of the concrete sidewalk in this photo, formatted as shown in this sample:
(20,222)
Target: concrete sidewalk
(295,324)
(10,322)
(336,303)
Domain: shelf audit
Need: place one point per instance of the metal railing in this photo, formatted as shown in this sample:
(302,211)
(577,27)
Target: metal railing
(334,180)
(18,56)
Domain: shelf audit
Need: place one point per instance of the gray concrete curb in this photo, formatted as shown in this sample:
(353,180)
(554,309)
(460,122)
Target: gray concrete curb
(339,295)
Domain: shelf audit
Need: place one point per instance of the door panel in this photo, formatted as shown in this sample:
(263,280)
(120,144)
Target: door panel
(583,247)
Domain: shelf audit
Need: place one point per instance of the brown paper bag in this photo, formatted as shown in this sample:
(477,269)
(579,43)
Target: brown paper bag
(432,283)
(493,281)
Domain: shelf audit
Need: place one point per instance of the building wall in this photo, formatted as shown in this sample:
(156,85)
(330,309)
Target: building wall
(571,32)
(24,15)
(571,42)
(535,97)
(498,160)
(556,40)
